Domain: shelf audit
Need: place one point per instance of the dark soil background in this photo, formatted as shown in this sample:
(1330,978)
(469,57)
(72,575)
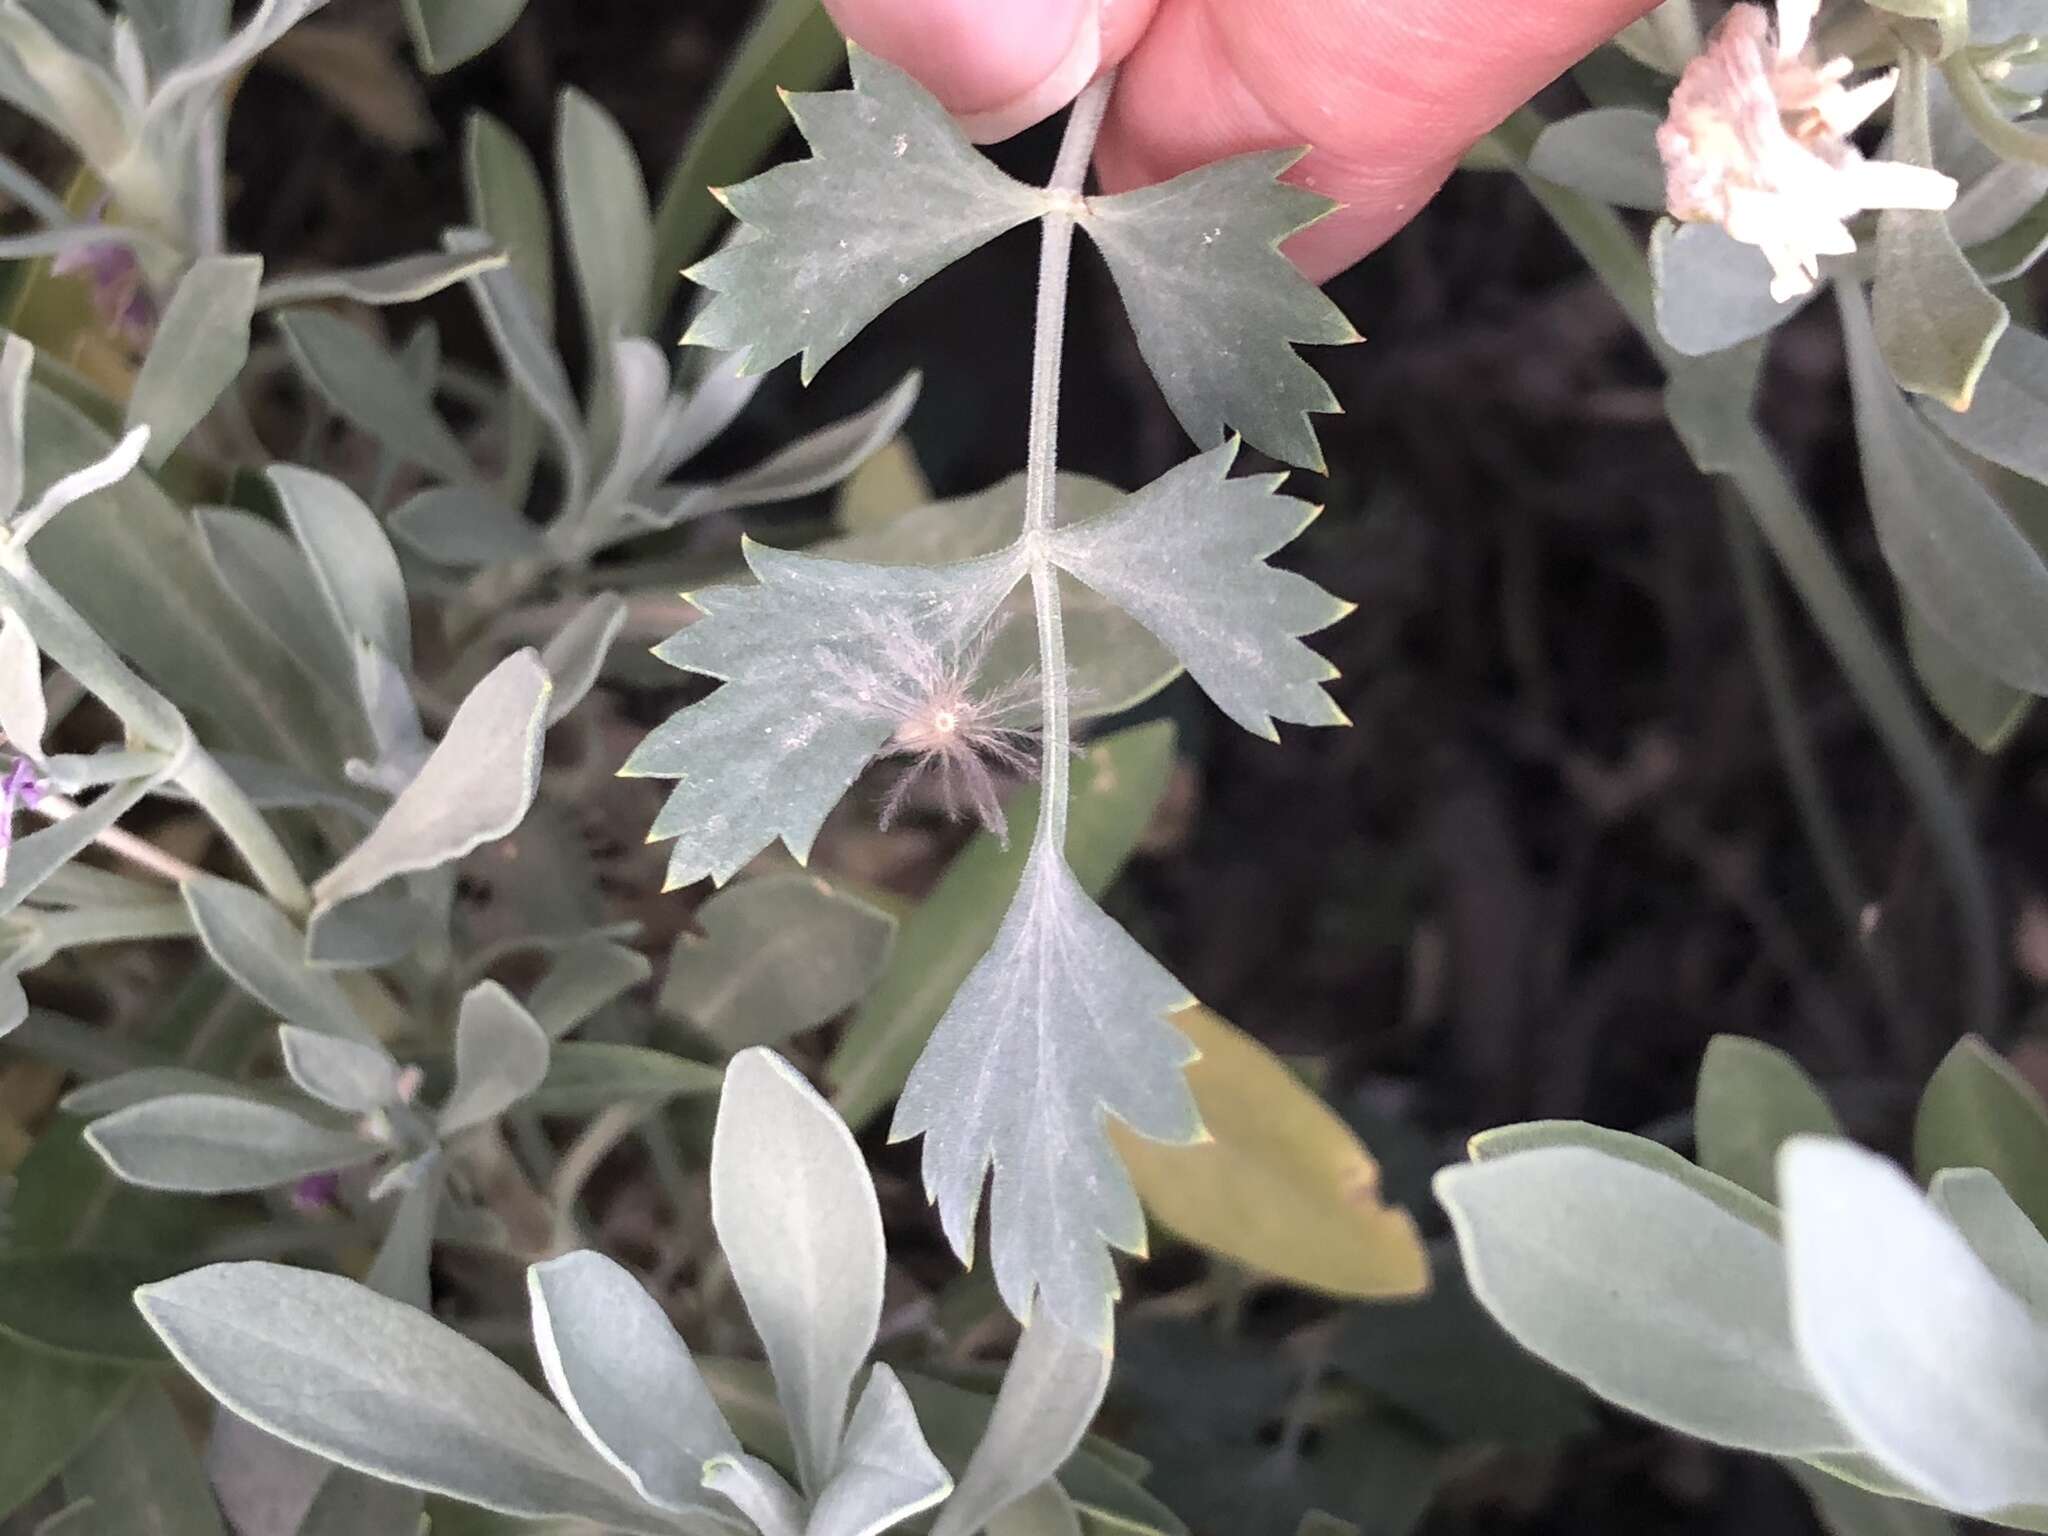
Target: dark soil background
(1556,854)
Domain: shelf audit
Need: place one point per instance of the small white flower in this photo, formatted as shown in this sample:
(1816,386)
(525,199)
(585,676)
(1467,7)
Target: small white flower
(1757,141)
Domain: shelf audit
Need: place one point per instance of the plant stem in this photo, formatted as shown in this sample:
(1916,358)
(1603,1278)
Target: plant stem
(1041,465)
(1753,471)
(1998,132)
(138,851)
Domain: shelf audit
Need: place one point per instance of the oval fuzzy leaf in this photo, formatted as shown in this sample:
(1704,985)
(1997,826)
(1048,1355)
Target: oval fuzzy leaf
(776,956)
(446,33)
(2003,423)
(352,561)
(1937,1368)
(617,1365)
(1935,320)
(884,1473)
(343,1074)
(1712,291)
(606,220)
(1752,1099)
(796,1216)
(586,1076)
(263,567)
(1970,571)
(371,390)
(1997,1231)
(1978,1112)
(260,948)
(213,1144)
(464,526)
(507,200)
(501,1056)
(475,787)
(334,1368)
(583,978)
(1609,153)
(403,280)
(1280,1184)
(201,343)
(1652,1295)
(1049,1396)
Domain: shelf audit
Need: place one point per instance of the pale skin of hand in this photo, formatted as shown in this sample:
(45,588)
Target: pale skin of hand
(1388,94)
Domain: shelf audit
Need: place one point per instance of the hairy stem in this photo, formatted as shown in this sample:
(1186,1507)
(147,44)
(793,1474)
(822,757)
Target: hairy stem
(1041,465)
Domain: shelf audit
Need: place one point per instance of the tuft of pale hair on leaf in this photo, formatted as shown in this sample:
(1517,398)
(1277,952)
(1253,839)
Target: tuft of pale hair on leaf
(958,736)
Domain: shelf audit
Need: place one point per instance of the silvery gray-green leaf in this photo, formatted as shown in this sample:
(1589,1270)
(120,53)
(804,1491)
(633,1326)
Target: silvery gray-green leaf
(24,712)
(1967,567)
(450,32)
(582,979)
(1535,1135)
(1935,1366)
(264,953)
(218,1144)
(174,32)
(366,385)
(1217,308)
(401,1268)
(402,280)
(1712,291)
(812,463)
(775,956)
(585,1076)
(75,645)
(91,1100)
(72,94)
(352,561)
(759,1492)
(1979,705)
(606,220)
(350,1504)
(393,715)
(574,655)
(1062,1023)
(516,330)
(201,344)
(128,560)
(1649,1293)
(885,1472)
(506,200)
(1185,556)
(70,489)
(892,195)
(35,858)
(142,1474)
(1048,1398)
(373,1384)
(343,1074)
(267,573)
(2003,423)
(617,1366)
(16,358)
(501,1055)
(474,788)
(771,752)
(796,1216)
(464,526)
(1609,153)
(1935,320)
(1666,40)
(1997,1231)
(1751,1099)
(695,416)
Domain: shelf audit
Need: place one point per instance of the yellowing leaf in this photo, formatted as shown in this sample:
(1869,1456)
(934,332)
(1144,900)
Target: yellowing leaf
(1281,1185)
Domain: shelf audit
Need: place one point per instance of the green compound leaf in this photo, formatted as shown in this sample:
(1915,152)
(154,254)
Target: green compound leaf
(894,194)
(1215,305)
(1063,1020)
(770,753)
(1185,556)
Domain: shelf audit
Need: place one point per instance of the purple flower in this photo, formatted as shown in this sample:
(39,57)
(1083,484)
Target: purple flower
(119,292)
(21,790)
(317,1192)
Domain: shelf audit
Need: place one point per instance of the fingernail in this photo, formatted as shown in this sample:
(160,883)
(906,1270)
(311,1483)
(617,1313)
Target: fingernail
(1062,84)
